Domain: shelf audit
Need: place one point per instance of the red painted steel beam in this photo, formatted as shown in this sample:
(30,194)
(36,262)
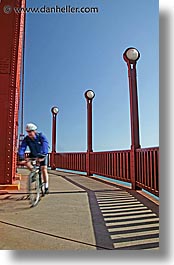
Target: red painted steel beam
(11,32)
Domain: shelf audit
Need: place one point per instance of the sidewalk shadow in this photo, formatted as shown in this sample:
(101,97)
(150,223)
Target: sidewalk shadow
(121,220)
(12,202)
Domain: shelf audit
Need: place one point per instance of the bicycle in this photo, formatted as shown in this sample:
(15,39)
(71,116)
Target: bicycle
(35,182)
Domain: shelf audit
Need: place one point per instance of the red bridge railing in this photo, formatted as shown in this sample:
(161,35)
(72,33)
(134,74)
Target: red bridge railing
(118,165)
(114,164)
(147,160)
(71,161)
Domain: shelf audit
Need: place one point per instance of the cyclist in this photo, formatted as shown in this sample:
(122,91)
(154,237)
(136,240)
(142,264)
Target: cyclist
(38,145)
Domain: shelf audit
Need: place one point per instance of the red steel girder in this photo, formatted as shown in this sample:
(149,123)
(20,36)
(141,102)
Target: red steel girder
(11,32)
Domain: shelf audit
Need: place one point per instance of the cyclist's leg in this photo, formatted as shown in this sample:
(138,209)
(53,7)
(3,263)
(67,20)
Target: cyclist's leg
(27,164)
(45,175)
(43,165)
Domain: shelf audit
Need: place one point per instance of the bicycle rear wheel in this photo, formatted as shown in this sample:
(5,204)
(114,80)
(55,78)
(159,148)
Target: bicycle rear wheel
(33,188)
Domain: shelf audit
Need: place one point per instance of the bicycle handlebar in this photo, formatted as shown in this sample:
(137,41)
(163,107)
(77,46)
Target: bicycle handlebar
(37,160)
(40,157)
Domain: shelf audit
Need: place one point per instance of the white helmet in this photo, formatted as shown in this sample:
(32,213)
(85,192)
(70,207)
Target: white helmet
(31,127)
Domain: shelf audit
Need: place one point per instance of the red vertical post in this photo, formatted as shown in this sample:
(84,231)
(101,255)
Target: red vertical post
(89,125)
(89,95)
(11,32)
(135,141)
(54,111)
(131,55)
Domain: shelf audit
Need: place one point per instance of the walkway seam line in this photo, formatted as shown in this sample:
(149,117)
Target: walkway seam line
(52,235)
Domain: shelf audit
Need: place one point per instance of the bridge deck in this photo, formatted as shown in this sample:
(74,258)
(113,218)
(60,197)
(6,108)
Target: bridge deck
(79,213)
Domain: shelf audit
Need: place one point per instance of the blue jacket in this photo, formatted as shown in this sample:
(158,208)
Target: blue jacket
(37,146)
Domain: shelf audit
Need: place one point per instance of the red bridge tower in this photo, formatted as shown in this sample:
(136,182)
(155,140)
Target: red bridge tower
(11,40)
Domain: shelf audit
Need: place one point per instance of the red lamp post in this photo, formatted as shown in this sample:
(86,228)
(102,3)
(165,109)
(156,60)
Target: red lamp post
(89,95)
(54,111)
(131,56)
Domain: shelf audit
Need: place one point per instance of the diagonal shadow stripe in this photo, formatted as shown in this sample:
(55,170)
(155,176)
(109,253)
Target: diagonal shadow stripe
(135,229)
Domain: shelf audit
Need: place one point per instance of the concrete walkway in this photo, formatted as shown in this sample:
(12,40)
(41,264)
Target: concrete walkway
(80,213)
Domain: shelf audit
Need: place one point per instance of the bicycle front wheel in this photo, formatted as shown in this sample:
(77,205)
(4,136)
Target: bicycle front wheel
(33,188)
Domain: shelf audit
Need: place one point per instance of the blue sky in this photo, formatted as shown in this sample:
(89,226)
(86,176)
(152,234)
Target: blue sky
(67,54)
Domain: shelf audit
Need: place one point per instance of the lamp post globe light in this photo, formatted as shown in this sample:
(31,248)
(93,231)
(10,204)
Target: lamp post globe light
(89,94)
(54,111)
(131,56)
